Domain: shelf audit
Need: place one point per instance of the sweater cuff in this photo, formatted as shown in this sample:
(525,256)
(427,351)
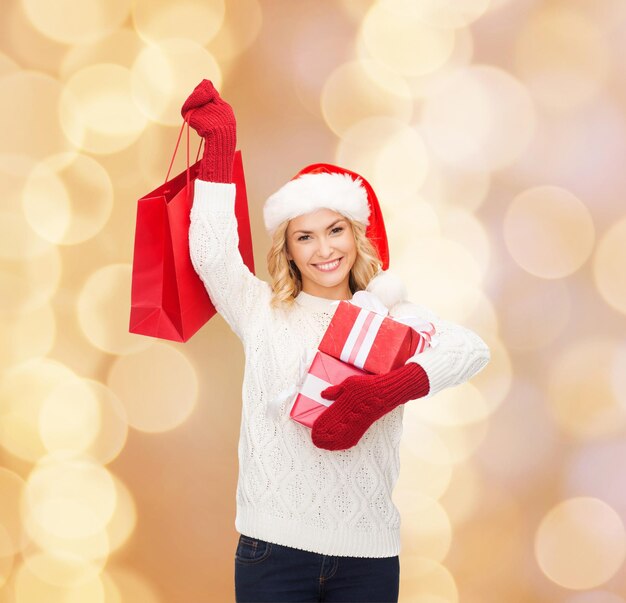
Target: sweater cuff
(213,197)
(436,366)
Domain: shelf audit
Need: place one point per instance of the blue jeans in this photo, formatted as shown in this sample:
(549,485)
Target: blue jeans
(266,572)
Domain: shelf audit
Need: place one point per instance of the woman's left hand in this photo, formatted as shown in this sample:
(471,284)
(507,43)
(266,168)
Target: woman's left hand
(362,399)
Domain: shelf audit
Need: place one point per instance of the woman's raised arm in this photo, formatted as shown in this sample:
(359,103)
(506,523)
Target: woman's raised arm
(237,294)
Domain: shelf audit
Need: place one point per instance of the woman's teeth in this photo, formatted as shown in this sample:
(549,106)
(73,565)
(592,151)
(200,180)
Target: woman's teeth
(328,266)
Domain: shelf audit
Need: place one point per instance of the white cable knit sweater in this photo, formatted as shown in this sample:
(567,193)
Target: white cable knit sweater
(289,491)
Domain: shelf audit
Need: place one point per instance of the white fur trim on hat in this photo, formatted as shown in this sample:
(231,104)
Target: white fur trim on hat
(388,288)
(308,192)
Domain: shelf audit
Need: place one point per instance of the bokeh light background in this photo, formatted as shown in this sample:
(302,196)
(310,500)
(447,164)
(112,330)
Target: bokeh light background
(494,132)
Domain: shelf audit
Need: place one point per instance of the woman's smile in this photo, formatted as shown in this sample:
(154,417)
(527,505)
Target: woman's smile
(328,266)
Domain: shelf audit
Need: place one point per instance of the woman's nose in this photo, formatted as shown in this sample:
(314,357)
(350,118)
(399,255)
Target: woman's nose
(325,248)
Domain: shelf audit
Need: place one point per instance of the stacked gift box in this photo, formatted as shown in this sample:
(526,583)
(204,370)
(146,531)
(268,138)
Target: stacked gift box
(361,339)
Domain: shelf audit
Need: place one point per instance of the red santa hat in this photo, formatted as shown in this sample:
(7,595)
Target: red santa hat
(322,185)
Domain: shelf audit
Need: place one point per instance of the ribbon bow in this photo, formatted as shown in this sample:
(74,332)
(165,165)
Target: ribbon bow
(368,301)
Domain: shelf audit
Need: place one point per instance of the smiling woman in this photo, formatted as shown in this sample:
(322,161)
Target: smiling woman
(320,497)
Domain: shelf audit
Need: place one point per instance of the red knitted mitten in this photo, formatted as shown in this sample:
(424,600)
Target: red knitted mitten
(362,399)
(214,120)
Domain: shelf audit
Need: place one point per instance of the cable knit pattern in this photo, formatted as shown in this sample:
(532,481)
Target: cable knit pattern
(289,491)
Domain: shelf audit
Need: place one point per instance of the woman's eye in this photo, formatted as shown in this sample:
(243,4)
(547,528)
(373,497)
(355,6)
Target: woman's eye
(339,228)
(302,237)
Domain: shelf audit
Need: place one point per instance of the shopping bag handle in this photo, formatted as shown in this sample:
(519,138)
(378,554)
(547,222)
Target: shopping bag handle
(176,149)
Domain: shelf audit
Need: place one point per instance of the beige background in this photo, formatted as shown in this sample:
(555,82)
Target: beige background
(494,134)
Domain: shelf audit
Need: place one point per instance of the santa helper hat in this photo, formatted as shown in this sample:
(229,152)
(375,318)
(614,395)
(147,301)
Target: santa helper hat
(322,185)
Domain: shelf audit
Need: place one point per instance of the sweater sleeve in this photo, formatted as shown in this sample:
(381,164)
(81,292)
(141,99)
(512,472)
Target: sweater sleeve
(456,355)
(237,294)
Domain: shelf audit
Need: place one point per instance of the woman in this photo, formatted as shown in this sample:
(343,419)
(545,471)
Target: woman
(314,507)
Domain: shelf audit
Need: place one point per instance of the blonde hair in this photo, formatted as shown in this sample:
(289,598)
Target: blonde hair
(287,281)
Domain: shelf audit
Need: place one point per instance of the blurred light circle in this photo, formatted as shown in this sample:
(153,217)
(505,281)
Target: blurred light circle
(196,20)
(425,458)
(350,95)
(7,65)
(97,111)
(60,568)
(596,596)
(74,557)
(580,543)
(241,27)
(548,231)
(562,57)
(23,391)
(68,199)
(505,452)
(17,239)
(69,418)
(119,48)
(464,228)
(70,22)
(27,335)
(36,133)
(499,520)
(166,73)
(439,13)
(452,406)
(103,310)
(112,431)
(28,588)
(401,165)
(608,266)
(559,153)
(70,496)
(461,441)
(453,280)
(425,526)
(13,537)
(111,591)
(6,556)
(464,494)
(166,394)
(426,581)
(533,312)
(404,42)
(124,521)
(133,586)
(454,188)
(597,469)
(479,119)
(360,146)
(618,374)
(29,284)
(423,85)
(580,393)
(408,220)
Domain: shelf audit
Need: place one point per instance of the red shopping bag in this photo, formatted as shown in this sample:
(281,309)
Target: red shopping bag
(168,299)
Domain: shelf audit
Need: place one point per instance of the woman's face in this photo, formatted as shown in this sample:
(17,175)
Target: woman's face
(314,242)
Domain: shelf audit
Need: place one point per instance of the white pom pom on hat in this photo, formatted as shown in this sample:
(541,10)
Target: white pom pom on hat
(389,288)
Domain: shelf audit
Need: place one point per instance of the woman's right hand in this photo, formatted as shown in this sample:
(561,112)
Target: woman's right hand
(205,110)
(214,120)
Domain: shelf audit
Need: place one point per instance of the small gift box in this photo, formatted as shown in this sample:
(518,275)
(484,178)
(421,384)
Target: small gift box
(363,335)
(324,372)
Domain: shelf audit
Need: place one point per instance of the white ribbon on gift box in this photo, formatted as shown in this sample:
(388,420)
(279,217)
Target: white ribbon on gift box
(313,387)
(369,305)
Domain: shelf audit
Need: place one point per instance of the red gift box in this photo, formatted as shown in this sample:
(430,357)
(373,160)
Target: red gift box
(372,341)
(324,372)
